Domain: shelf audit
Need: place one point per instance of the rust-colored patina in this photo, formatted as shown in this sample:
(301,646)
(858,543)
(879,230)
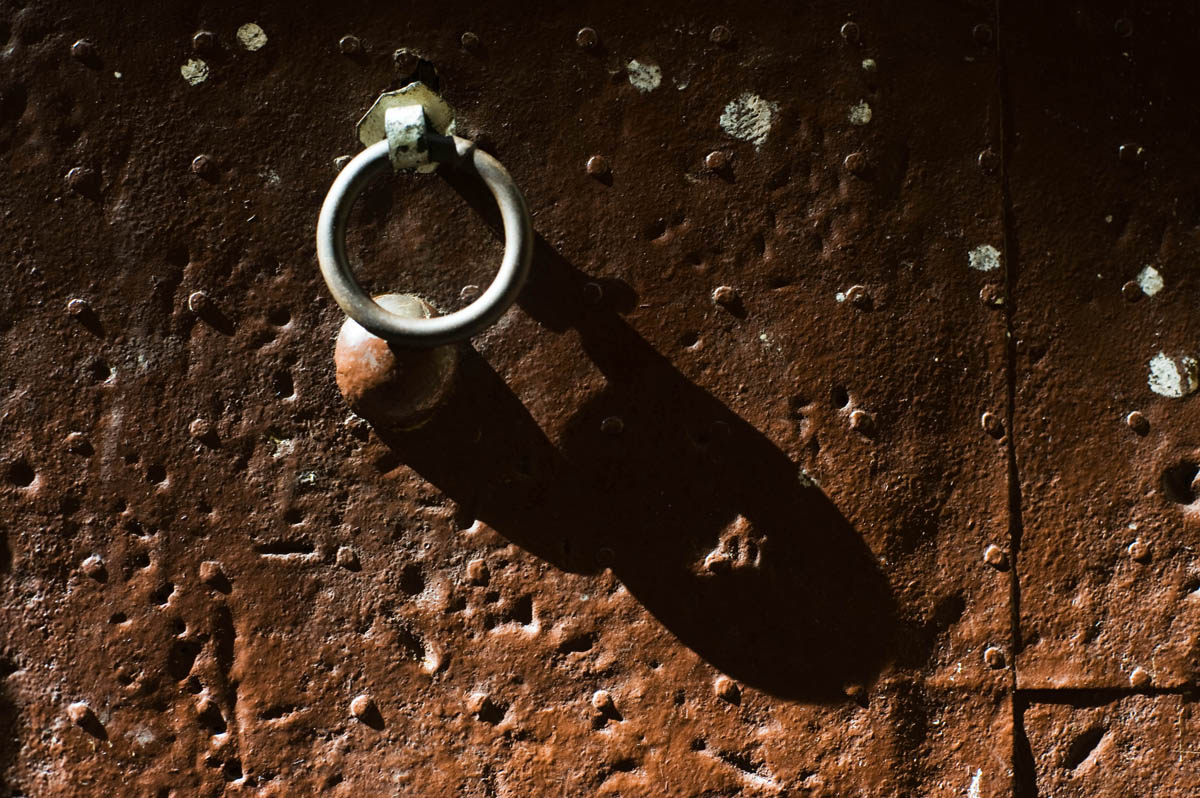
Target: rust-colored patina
(805,464)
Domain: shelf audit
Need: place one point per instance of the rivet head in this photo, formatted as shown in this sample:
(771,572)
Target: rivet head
(716,160)
(349,45)
(858,296)
(597,166)
(361,706)
(992,424)
(1139,550)
(602,700)
(199,302)
(78,307)
(1138,422)
(994,657)
(204,166)
(855,163)
(1130,153)
(989,161)
(405,61)
(725,295)
(720,35)
(80,713)
(982,34)
(393,386)
(862,422)
(83,51)
(82,180)
(470,42)
(613,425)
(1123,27)
(1139,678)
(204,42)
(995,556)
(587,38)
(851,33)
(727,689)
(1132,291)
(347,558)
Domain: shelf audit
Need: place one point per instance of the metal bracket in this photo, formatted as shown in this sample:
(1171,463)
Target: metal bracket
(403,118)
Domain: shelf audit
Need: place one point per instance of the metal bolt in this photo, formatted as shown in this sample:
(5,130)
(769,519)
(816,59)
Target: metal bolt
(405,61)
(1138,422)
(1132,291)
(199,302)
(587,38)
(721,35)
(597,166)
(725,295)
(716,160)
(1139,550)
(1139,678)
(204,166)
(857,296)
(992,425)
(726,689)
(469,293)
(470,42)
(989,161)
(350,45)
(855,163)
(994,556)
(982,34)
(862,422)
(850,32)
(204,41)
(602,701)
(78,307)
(83,51)
(78,443)
(994,657)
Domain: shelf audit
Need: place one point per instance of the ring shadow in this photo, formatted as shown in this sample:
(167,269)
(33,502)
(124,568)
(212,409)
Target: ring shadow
(704,520)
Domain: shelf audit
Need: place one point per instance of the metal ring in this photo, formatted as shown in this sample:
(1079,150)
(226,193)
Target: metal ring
(463,323)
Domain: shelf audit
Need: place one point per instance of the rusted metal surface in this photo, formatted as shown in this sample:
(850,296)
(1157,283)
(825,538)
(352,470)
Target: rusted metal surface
(721,506)
(1106,219)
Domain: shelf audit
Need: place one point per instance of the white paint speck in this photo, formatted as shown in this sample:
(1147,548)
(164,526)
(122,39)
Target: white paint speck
(749,118)
(868,64)
(251,36)
(194,71)
(645,77)
(1150,280)
(1174,376)
(860,114)
(840,296)
(973,789)
(984,258)
(117,75)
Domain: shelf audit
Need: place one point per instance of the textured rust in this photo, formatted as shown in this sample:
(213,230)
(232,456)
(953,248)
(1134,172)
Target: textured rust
(721,506)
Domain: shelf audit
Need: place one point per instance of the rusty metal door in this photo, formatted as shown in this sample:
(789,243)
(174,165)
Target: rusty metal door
(843,441)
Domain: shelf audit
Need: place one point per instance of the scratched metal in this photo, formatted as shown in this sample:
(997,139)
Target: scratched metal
(721,506)
(1107,217)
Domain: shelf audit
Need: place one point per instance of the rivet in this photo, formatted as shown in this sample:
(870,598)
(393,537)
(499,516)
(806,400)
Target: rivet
(726,689)
(857,296)
(1132,291)
(716,160)
(204,166)
(994,657)
(1138,422)
(587,38)
(1123,27)
(1129,153)
(93,567)
(982,34)
(1139,550)
(361,706)
(613,425)
(725,295)
(855,163)
(470,42)
(78,443)
(995,556)
(199,302)
(1139,678)
(602,700)
(80,713)
(81,179)
(78,307)
(989,160)
(992,424)
(469,293)
(347,558)
(850,32)
(204,41)
(597,166)
(350,45)
(405,61)
(862,422)
(721,35)
(83,51)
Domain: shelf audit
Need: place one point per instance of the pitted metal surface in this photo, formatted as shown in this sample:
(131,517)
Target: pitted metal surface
(733,499)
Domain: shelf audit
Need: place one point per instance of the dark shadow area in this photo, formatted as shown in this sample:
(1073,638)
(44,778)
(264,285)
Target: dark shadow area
(703,519)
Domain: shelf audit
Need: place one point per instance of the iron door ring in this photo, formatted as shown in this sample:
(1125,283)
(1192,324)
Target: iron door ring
(463,323)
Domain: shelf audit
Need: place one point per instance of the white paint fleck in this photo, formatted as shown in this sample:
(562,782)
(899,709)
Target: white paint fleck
(984,258)
(860,114)
(251,36)
(645,77)
(1150,280)
(973,789)
(840,296)
(117,75)
(194,71)
(749,118)
(1174,376)
(869,64)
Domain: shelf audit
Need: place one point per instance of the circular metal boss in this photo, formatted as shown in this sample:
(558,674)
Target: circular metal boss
(462,324)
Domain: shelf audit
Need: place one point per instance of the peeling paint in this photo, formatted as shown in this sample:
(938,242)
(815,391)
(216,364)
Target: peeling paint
(645,77)
(1150,280)
(251,36)
(860,114)
(1174,376)
(194,71)
(984,258)
(749,118)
